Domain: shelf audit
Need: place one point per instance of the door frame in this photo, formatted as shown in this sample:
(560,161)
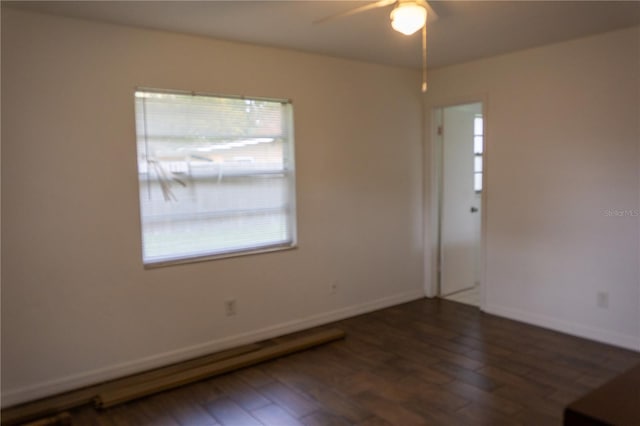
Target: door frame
(433,253)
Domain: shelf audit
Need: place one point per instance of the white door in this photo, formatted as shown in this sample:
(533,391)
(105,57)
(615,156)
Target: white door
(462,145)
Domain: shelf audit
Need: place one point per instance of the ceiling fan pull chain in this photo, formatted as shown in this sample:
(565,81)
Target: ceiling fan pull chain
(424,59)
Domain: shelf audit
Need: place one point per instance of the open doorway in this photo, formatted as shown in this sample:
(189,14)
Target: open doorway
(460,139)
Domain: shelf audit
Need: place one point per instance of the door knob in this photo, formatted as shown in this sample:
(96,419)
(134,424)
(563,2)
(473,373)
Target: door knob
(474,209)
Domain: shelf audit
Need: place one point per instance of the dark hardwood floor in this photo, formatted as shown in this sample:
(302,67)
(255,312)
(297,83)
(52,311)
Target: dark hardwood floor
(429,362)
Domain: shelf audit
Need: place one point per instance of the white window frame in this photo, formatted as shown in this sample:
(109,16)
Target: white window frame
(478,154)
(288,170)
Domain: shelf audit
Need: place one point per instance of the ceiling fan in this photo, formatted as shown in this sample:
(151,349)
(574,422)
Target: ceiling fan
(407,17)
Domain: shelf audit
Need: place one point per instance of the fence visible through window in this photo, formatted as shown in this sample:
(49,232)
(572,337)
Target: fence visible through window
(216,175)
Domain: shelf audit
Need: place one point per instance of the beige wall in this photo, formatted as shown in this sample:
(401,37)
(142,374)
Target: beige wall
(563,148)
(77,305)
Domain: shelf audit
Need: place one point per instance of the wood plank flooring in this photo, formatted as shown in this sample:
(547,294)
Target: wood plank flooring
(428,362)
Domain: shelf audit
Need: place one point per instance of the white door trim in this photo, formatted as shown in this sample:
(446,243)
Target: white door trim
(432,208)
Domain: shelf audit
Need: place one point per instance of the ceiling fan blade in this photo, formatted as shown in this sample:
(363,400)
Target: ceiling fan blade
(374,5)
(431,14)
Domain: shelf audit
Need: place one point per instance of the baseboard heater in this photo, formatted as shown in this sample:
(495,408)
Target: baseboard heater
(118,391)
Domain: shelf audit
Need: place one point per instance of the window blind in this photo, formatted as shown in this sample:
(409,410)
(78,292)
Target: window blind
(216,175)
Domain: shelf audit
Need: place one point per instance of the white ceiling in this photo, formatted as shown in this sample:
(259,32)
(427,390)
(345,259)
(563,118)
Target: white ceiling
(465,30)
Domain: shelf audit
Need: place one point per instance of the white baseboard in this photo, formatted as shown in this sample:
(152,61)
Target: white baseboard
(40,390)
(580,330)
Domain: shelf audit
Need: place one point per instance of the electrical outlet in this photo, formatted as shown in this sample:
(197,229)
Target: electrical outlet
(230,308)
(602,299)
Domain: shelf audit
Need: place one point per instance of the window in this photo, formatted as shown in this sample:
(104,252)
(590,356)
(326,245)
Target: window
(478,149)
(216,175)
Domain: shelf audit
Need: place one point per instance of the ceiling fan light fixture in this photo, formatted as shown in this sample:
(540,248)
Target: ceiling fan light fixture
(407,18)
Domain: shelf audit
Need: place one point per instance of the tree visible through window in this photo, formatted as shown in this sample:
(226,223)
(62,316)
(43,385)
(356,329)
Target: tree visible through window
(216,175)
